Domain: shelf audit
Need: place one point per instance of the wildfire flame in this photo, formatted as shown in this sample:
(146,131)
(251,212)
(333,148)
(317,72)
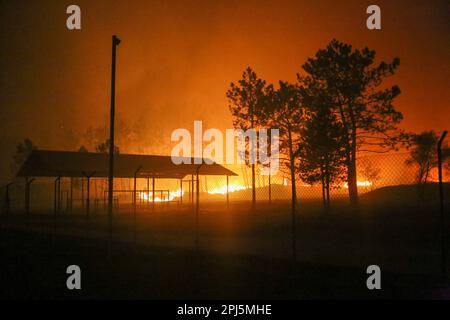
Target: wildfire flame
(360,184)
(172,195)
(147,196)
(223,189)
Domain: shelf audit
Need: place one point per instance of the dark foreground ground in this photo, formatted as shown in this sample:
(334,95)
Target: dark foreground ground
(242,254)
(36,269)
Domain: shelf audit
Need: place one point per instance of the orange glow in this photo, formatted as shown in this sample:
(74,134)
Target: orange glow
(149,197)
(360,184)
(223,189)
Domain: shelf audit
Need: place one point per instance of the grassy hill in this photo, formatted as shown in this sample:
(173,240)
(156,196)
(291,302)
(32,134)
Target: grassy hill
(407,194)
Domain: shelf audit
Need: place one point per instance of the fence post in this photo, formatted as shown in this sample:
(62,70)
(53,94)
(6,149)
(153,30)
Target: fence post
(8,199)
(441,207)
(153,192)
(57,187)
(134,209)
(28,183)
(181,191)
(197,207)
(228,191)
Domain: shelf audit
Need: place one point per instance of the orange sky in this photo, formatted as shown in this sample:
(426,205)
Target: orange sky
(177,58)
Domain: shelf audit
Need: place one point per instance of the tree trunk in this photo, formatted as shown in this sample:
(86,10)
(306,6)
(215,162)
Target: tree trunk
(353,178)
(350,150)
(352,183)
(327,181)
(253,165)
(324,200)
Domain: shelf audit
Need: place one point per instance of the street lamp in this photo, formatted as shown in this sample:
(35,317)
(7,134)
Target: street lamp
(115,43)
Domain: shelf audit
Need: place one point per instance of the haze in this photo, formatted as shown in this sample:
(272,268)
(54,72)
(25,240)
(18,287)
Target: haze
(177,58)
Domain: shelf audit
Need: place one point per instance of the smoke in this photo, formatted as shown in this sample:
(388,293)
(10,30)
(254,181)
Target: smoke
(177,58)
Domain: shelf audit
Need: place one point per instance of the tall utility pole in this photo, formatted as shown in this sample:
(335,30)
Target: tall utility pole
(115,43)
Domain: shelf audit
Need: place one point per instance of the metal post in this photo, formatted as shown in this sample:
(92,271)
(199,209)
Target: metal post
(104,198)
(441,207)
(153,192)
(55,208)
(181,191)
(134,208)
(228,191)
(88,194)
(55,196)
(59,195)
(133,202)
(71,195)
(67,202)
(197,209)
(192,188)
(148,190)
(27,197)
(115,43)
(82,193)
(88,199)
(7,199)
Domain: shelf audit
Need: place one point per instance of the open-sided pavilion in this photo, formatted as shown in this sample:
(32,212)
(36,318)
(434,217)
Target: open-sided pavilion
(66,164)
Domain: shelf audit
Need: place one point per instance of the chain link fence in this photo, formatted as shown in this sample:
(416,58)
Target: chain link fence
(375,172)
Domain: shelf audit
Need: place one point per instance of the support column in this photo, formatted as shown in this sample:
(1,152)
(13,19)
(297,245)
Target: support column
(27,199)
(27,209)
(82,193)
(134,208)
(88,194)
(67,202)
(71,195)
(148,189)
(56,205)
(88,200)
(153,192)
(28,183)
(192,188)
(197,210)
(181,191)
(104,199)
(55,196)
(197,216)
(59,195)
(7,199)
(228,191)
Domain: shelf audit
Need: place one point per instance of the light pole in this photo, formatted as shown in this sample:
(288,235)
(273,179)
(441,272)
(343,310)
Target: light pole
(115,43)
